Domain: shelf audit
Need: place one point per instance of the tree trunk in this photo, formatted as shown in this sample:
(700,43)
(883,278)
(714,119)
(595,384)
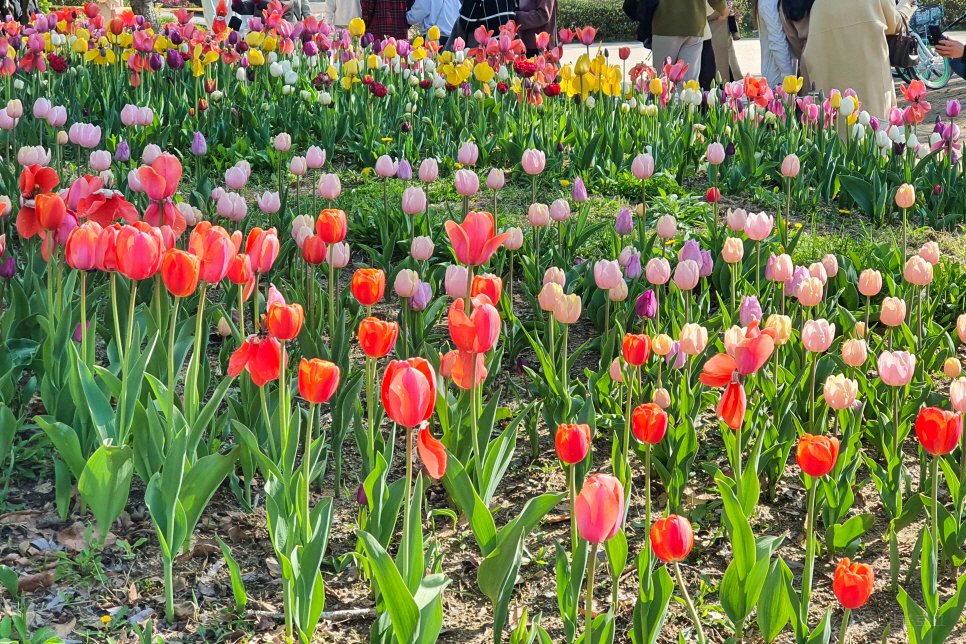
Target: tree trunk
(146,8)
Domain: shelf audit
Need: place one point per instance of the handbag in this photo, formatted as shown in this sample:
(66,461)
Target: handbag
(903,48)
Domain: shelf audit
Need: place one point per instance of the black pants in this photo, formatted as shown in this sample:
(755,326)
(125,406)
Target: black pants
(708,66)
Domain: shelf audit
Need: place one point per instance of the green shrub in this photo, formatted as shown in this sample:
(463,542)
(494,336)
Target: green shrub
(606,15)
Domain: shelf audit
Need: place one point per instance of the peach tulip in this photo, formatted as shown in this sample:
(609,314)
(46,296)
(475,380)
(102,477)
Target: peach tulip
(870,282)
(549,295)
(662,344)
(694,338)
(930,252)
(957,395)
(896,368)
(906,196)
(667,227)
(952,367)
(567,310)
(817,335)
(817,270)
(733,250)
(810,291)
(840,392)
(556,275)
(783,269)
(854,352)
(893,311)
(538,215)
(782,325)
(918,271)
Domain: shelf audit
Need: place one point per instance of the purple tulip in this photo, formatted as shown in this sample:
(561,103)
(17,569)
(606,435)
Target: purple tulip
(123,153)
(791,286)
(690,250)
(675,357)
(624,224)
(155,61)
(404,171)
(419,301)
(770,267)
(174,59)
(750,310)
(8,268)
(580,191)
(77,331)
(361,497)
(633,269)
(953,108)
(646,305)
(707,264)
(199,147)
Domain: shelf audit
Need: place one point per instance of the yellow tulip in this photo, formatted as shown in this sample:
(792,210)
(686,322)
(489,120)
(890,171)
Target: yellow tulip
(692,85)
(125,40)
(80,46)
(346,82)
(418,42)
(352,67)
(270,44)
(255,58)
(792,84)
(389,52)
(445,57)
(656,87)
(567,73)
(83,34)
(372,62)
(332,72)
(483,72)
(357,27)
(583,65)
(161,45)
(254,38)
(419,53)
(433,33)
(835,100)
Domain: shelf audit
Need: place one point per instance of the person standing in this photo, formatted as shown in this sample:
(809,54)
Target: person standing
(776,56)
(847,48)
(725,58)
(435,13)
(386,18)
(794,15)
(709,67)
(535,17)
(678,32)
(339,13)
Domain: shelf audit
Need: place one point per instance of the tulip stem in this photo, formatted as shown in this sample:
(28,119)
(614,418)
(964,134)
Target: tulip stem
(868,308)
(809,551)
(268,423)
(647,497)
(510,285)
(467,301)
(624,472)
(130,319)
(370,376)
(904,225)
(117,323)
(572,484)
(566,369)
(935,509)
(332,291)
(171,373)
(478,466)
(895,422)
(241,311)
(689,604)
(193,369)
(757,270)
(83,315)
(811,393)
(845,625)
(255,317)
(551,323)
(589,606)
(409,496)
(307,475)
(606,315)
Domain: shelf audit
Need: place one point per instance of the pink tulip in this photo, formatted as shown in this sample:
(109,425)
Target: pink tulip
(840,392)
(303,226)
(455,281)
(667,227)
(831,265)
(407,283)
(661,397)
(930,252)
(467,183)
(607,274)
(642,167)
(330,187)
(386,167)
(428,170)
(817,335)
(145,116)
(129,115)
(957,395)
(100,160)
(269,203)
(413,200)
(896,368)
(57,116)
(758,226)
(658,270)
(715,154)
(232,206)
(298,166)
(791,166)
(918,271)
(515,240)
(496,179)
(148,156)
(7,123)
(235,178)
(560,210)
(893,311)
(554,275)
(810,291)
(538,215)
(783,269)
(422,248)
(315,157)
(41,108)
(534,161)
(906,196)
(686,275)
(283,142)
(468,153)
(693,338)
(870,282)
(339,257)
(736,220)
(733,251)
(961,327)
(817,270)
(854,352)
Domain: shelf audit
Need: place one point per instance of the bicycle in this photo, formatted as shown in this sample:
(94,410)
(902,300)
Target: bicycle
(933,70)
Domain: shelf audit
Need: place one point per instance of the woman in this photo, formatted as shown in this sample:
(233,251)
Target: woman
(776,56)
(794,15)
(386,18)
(339,13)
(726,61)
(847,48)
(435,13)
(678,32)
(535,17)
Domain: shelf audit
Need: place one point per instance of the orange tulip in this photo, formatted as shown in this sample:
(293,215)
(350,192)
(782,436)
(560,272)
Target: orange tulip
(318,380)
(179,272)
(572,443)
(488,285)
(51,211)
(262,246)
(474,241)
(240,270)
(377,337)
(816,455)
(432,453)
(637,348)
(368,285)
(314,250)
(409,391)
(332,226)
(105,252)
(214,249)
(37,179)
(853,583)
(81,246)
(284,320)
(672,538)
(139,249)
(261,357)
(462,369)
(478,332)
(649,423)
(160,179)
(938,430)
(731,407)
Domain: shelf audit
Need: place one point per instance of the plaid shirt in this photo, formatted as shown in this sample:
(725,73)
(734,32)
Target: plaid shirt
(386,18)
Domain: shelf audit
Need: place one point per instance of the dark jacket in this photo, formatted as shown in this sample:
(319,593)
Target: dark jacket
(535,17)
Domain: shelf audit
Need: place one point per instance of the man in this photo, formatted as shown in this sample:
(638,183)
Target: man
(435,13)
(955,52)
(678,32)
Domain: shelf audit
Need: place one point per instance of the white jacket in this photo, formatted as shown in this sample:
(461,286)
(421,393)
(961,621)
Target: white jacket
(438,13)
(339,13)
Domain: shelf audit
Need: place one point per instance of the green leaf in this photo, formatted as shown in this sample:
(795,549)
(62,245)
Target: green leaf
(65,440)
(916,619)
(201,482)
(739,531)
(616,550)
(106,482)
(845,533)
(774,610)
(102,414)
(460,488)
(9,580)
(930,592)
(950,613)
(401,606)
(651,611)
(237,585)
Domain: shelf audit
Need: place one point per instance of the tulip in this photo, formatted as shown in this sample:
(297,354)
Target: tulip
(468,153)
(386,167)
(686,275)
(478,332)
(624,223)
(599,508)
(957,394)
(961,327)
(560,210)
(456,281)
(817,335)
(572,443)
(432,453)
(616,373)
(783,269)
(667,227)
(421,248)
(138,250)
(330,187)
(906,196)
(467,183)
(538,215)
(474,241)
(657,271)
(649,423)
(515,240)
(331,226)
(636,349)
(733,250)
(896,368)
(642,167)
(556,275)
(817,270)
(854,352)
(318,380)
(750,310)
(409,391)
(646,305)
(930,252)
(179,272)
(715,154)
(269,203)
(549,295)
(918,271)
(607,274)
(284,321)
(80,250)
(315,157)
(368,285)
(428,170)
(791,166)
(810,291)
(782,326)
(840,392)
(672,538)
(567,309)
(952,367)
(831,265)
(261,357)
(759,226)
(283,142)
(736,220)
(893,311)
(262,246)
(694,338)
(489,285)
(377,337)
(939,431)
(853,584)
(407,283)
(534,161)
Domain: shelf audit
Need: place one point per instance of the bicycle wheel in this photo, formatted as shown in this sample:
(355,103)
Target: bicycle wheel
(933,70)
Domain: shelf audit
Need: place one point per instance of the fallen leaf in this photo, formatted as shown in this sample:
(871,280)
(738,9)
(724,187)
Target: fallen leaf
(30,583)
(273,568)
(64,630)
(26,518)
(133,595)
(184,610)
(74,537)
(199,550)
(236,534)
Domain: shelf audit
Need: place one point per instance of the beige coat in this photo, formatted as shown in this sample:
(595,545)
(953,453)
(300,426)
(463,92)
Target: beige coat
(847,49)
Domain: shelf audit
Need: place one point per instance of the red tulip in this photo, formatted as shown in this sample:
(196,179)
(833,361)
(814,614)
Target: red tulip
(262,246)
(105,207)
(599,508)
(462,369)
(816,455)
(81,248)
(139,250)
(260,356)
(179,272)
(105,252)
(332,226)
(314,250)
(318,380)
(853,583)
(432,453)
(284,321)
(377,337)
(478,332)
(488,285)
(240,270)
(473,241)
(731,407)
(51,211)
(637,348)
(751,352)
(368,285)
(649,423)
(672,538)
(37,179)
(214,249)
(160,179)
(573,443)
(938,430)
(409,391)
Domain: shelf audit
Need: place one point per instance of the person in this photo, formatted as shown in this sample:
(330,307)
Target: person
(678,32)
(435,13)
(794,16)
(722,41)
(297,10)
(489,14)
(955,52)
(386,18)
(847,48)
(709,67)
(776,56)
(339,13)
(533,18)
